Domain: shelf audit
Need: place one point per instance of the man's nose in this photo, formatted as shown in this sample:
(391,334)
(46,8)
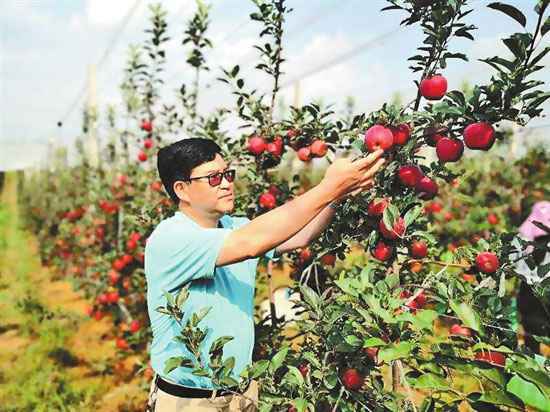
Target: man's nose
(225,183)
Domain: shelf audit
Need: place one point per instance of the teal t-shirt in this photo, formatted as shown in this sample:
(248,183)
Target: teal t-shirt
(178,252)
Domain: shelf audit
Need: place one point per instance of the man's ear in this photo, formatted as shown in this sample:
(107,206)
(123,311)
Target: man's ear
(181,189)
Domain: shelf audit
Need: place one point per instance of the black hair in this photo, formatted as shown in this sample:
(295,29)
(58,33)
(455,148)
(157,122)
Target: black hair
(177,161)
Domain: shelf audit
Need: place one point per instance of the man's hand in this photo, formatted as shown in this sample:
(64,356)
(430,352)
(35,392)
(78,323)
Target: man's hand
(346,177)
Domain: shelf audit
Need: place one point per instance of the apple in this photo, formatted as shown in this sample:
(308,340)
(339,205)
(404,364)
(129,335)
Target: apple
(156,186)
(479,136)
(267,201)
(401,133)
(426,188)
(487,262)
(491,357)
(146,125)
(304,154)
(377,206)
(492,219)
(378,137)
(415,266)
(135,236)
(148,143)
(328,259)
(371,352)
(419,249)
(421,299)
(98,315)
(433,134)
(382,251)
(142,156)
(118,265)
(433,207)
(448,216)
(292,408)
(449,150)
(305,255)
(352,379)
(114,276)
(113,297)
(103,299)
(131,244)
(460,330)
(397,231)
(135,326)
(291,133)
(127,259)
(122,344)
(304,369)
(256,145)
(122,179)
(469,277)
(275,149)
(410,175)
(318,148)
(433,87)
(274,190)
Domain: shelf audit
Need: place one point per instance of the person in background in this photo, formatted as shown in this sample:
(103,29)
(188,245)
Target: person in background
(534,312)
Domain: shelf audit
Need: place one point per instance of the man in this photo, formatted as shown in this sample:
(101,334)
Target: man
(216,254)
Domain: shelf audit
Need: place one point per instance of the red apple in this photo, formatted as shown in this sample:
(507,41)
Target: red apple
(397,231)
(122,344)
(156,186)
(122,179)
(148,143)
(103,299)
(433,134)
(401,133)
(142,156)
(127,259)
(460,330)
(419,249)
(469,277)
(492,219)
(114,276)
(98,315)
(291,133)
(487,262)
(479,136)
(491,357)
(305,255)
(256,145)
(377,206)
(352,379)
(112,297)
(118,265)
(275,149)
(371,352)
(448,216)
(426,188)
(433,87)
(449,150)
(304,154)
(131,244)
(378,137)
(328,260)
(135,326)
(410,175)
(318,148)
(382,251)
(304,369)
(146,125)
(267,201)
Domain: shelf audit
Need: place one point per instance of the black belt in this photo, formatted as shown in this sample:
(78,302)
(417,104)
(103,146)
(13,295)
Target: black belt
(185,392)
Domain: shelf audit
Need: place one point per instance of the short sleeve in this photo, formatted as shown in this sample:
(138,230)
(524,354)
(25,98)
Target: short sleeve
(187,255)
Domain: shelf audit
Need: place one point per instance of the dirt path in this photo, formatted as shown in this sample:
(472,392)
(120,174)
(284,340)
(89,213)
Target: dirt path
(46,337)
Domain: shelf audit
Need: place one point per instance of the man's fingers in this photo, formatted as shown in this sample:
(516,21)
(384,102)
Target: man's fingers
(371,158)
(375,168)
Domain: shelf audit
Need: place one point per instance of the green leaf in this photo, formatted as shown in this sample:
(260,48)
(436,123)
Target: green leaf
(310,297)
(529,393)
(258,368)
(182,296)
(177,361)
(412,215)
(169,298)
(510,11)
(424,319)
(353,340)
(395,351)
(229,363)
(370,342)
(278,359)
(467,315)
(294,376)
(229,382)
(330,380)
(545,27)
(200,372)
(390,215)
(300,404)
(429,381)
(499,398)
(235,71)
(219,343)
(197,317)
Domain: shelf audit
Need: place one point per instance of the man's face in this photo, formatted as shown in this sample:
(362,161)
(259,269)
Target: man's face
(208,198)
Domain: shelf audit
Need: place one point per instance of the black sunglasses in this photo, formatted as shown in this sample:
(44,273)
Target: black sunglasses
(216,178)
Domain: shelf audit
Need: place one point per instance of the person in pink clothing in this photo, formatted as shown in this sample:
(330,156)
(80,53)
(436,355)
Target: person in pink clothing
(534,311)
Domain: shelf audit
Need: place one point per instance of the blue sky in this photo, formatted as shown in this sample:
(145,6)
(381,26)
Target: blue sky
(47,46)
